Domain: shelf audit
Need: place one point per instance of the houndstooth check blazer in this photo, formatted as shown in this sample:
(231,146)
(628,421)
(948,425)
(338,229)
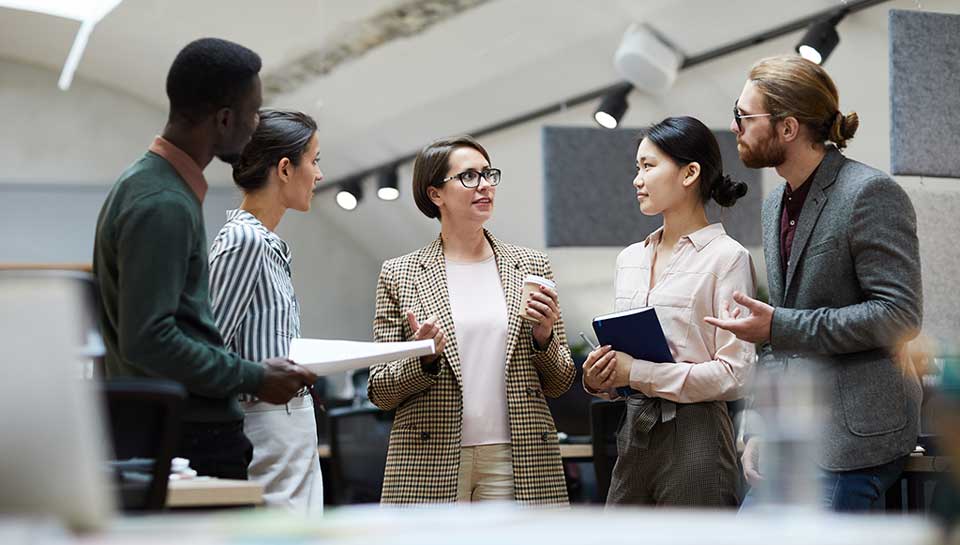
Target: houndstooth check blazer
(423,458)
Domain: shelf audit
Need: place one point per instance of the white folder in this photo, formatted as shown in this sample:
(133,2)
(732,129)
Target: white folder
(325,357)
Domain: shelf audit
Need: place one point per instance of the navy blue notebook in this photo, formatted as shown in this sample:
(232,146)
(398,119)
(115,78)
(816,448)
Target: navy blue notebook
(636,332)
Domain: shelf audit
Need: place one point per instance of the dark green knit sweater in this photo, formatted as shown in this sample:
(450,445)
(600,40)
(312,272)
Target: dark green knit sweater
(150,260)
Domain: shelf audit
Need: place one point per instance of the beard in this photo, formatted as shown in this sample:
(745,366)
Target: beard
(767,153)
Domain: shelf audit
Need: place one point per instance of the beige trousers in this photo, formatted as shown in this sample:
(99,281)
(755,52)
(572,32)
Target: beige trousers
(285,459)
(486,473)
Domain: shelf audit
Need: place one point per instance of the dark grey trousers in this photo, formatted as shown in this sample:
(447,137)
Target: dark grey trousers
(690,461)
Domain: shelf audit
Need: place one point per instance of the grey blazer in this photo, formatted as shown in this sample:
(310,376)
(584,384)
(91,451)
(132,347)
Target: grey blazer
(850,299)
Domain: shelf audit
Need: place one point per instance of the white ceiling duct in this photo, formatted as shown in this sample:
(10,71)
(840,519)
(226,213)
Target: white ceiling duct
(646,59)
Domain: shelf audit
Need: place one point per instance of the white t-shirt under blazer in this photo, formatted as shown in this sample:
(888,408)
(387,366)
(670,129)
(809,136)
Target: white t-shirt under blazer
(480,325)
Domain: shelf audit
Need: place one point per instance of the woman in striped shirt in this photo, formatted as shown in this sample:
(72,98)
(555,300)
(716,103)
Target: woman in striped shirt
(255,306)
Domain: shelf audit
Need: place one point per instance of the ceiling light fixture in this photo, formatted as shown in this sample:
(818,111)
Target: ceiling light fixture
(613,106)
(820,39)
(350,194)
(388,184)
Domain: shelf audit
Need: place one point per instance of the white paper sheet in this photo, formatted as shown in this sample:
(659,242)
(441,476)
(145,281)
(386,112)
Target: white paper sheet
(325,357)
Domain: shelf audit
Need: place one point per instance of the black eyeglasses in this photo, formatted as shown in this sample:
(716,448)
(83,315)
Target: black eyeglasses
(737,116)
(471,178)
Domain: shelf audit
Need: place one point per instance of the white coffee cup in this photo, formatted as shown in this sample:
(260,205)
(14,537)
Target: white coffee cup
(531,284)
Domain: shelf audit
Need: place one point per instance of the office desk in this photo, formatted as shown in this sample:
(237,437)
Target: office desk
(915,464)
(928,464)
(213,493)
(908,494)
(576,452)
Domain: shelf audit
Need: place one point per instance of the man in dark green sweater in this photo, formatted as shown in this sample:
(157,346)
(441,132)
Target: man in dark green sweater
(150,260)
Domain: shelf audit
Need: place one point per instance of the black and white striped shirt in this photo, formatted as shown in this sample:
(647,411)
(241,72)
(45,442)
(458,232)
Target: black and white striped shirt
(251,290)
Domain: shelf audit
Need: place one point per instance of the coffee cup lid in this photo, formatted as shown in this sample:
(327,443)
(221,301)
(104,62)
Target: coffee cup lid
(540,280)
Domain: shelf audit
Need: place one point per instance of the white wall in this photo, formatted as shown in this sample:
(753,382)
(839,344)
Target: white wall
(61,151)
(334,279)
(84,136)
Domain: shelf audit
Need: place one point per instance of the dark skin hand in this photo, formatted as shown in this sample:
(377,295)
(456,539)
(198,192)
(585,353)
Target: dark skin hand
(282,379)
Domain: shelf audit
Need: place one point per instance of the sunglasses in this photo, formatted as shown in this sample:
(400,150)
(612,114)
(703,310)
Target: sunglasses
(737,116)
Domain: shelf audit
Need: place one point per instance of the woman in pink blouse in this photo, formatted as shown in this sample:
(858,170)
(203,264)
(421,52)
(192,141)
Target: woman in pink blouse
(676,444)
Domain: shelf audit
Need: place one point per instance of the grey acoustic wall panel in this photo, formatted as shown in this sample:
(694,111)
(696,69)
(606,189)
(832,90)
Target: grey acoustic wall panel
(924,93)
(589,194)
(939,259)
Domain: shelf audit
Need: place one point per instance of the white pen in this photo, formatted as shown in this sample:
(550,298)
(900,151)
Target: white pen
(588,341)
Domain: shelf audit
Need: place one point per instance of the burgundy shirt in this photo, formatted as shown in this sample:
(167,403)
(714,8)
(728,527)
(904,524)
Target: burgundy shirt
(792,206)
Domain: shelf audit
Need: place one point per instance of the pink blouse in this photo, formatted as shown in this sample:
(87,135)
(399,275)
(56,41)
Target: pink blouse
(706,268)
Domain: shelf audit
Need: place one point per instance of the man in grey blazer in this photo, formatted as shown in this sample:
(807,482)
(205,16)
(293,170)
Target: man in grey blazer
(843,268)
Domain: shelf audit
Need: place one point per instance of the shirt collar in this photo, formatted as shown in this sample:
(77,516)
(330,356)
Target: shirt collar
(185,166)
(242,216)
(804,187)
(653,237)
(699,238)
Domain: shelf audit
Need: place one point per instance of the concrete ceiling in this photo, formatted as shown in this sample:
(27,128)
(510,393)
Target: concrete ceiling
(492,62)
(132,47)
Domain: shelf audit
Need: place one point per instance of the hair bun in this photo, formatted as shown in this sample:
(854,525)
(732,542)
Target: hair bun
(843,127)
(726,190)
(851,122)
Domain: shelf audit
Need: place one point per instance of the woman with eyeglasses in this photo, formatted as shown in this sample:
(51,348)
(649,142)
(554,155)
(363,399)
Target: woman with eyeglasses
(472,421)
(676,446)
(251,293)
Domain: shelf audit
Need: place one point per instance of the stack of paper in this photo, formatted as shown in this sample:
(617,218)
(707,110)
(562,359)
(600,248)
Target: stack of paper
(325,357)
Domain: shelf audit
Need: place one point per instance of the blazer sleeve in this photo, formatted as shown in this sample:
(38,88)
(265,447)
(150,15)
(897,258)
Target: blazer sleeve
(883,241)
(236,260)
(553,362)
(393,382)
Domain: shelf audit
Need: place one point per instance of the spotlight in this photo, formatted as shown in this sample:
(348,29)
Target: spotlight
(387,186)
(820,39)
(613,106)
(350,194)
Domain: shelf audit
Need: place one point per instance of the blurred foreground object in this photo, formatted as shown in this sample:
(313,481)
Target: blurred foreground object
(52,440)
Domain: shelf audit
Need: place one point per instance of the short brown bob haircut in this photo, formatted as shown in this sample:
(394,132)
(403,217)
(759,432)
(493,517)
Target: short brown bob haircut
(431,165)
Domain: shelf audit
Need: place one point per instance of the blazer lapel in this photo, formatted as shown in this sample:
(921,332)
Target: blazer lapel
(771,227)
(512,272)
(826,175)
(435,300)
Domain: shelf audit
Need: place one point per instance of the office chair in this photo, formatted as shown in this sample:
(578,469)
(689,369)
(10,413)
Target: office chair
(605,418)
(89,343)
(359,437)
(144,422)
(359,379)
